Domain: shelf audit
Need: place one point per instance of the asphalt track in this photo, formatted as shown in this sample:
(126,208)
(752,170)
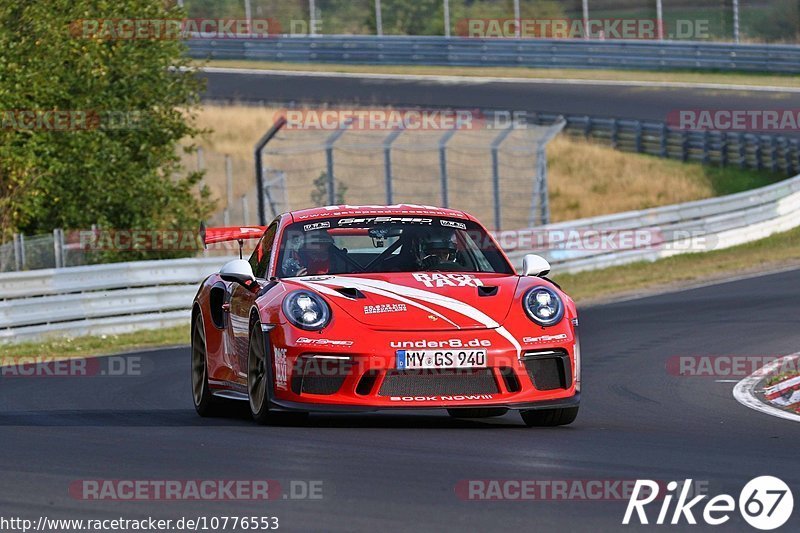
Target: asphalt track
(395,472)
(631,102)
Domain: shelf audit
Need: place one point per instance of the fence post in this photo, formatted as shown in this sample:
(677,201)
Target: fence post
(201,162)
(329,142)
(17,253)
(541,196)
(664,135)
(614,133)
(723,149)
(245,211)
(787,155)
(638,137)
(773,153)
(443,165)
(228,190)
(684,145)
(58,248)
(248,14)
(387,163)
(587,128)
(742,145)
(496,174)
(262,190)
(759,153)
(706,147)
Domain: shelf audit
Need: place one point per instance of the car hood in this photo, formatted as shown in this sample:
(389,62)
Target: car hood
(419,301)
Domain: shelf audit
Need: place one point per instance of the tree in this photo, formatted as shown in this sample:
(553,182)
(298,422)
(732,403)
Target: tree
(319,195)
(778,22)
(409,17)
(128,103)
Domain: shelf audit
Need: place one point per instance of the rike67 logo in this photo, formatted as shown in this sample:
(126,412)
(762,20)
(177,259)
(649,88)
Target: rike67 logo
(765,503)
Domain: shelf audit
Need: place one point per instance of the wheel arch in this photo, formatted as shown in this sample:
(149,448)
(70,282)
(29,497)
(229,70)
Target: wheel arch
(196,310)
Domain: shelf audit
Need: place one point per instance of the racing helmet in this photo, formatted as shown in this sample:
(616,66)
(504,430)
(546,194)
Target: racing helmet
(317,241)
(441,244)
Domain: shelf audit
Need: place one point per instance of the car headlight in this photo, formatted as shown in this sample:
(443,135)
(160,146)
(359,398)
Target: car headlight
(306,310)
(543,306)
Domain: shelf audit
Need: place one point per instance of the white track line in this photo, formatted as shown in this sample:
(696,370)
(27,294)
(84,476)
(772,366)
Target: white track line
(743,391)
(476,80)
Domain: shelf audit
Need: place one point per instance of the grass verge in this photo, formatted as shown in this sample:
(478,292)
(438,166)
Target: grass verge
(779,250)
(96,345)
(725,78)
(778,378)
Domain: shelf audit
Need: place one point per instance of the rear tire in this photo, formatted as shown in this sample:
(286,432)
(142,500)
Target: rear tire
(477,412)
(204,402)
(259,384)
(549,417)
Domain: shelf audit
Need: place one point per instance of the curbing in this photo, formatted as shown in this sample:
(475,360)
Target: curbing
(746,391)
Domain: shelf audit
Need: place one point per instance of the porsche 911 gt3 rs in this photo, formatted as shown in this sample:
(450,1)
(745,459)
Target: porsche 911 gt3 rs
(364,308)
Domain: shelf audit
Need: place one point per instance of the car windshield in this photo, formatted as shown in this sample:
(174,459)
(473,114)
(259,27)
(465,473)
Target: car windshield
(354,245)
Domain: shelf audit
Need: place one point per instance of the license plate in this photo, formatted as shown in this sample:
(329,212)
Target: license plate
(417,359)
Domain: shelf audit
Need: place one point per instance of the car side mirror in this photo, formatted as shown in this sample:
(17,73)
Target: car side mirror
(535,265)
(238,271)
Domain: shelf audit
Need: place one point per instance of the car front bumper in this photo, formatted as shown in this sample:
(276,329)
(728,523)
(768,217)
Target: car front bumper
(343,378)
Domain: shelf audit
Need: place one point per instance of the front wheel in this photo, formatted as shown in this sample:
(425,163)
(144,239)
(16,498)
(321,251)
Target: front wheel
(204,402)
(549,417)
(259,384)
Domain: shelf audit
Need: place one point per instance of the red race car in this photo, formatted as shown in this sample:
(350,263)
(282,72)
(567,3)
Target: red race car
(365,308)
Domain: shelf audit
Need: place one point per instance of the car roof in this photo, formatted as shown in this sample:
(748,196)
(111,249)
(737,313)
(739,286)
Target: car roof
(334,211)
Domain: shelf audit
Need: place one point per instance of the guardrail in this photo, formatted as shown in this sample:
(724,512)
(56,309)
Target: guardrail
(125,297)
(760,151)
(698,226)
(100,299)
(462,51)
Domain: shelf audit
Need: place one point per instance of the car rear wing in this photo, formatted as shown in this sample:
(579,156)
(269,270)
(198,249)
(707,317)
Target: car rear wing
(231,233)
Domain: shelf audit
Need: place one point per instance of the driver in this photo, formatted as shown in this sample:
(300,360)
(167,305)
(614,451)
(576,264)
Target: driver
(437,248)
(315,257)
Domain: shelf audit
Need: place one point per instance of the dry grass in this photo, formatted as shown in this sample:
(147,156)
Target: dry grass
(586,179)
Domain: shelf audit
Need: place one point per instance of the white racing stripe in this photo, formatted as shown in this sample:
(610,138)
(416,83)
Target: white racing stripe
(326,290)
(398,292)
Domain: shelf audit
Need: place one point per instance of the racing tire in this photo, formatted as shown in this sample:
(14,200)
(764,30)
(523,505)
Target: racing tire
(204,402)
(259,384)
(549,417)
(477,412)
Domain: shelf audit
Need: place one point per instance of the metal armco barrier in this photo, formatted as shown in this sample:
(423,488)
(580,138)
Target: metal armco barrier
(690,227)
(125,297)
(100,299)
(461,51)
(759,151)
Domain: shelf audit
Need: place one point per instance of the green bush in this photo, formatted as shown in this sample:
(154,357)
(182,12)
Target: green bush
(125,175)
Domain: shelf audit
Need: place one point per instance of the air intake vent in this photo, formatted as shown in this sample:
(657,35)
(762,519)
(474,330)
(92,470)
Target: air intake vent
(320,376)
(487,291)
(548,370)
(366,383)
(510,379)
(350,292)
(438,382)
